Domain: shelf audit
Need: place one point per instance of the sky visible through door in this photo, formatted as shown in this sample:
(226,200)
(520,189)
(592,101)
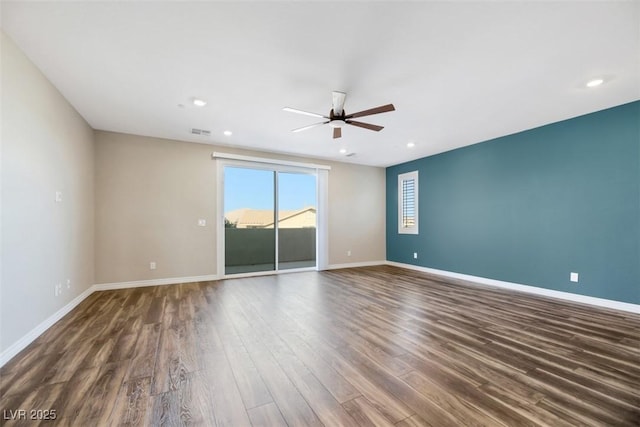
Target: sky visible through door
(301,190)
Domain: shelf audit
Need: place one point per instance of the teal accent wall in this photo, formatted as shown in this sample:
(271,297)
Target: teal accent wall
(532,207)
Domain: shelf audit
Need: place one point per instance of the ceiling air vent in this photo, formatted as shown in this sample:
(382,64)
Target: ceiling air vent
(200,132)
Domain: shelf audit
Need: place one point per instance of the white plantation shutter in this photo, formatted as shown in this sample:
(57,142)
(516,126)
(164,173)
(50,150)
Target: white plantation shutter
(408,203)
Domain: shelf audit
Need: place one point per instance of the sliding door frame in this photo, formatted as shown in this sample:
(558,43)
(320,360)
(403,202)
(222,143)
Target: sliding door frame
(321,173)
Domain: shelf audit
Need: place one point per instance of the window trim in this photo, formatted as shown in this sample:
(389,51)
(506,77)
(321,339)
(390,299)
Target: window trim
(402,228)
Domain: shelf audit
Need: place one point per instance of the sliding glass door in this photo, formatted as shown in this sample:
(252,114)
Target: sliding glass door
(249,200)
(269,219)
(297,212)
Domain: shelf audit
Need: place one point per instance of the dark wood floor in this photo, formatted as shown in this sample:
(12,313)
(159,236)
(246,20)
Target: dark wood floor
(371,346)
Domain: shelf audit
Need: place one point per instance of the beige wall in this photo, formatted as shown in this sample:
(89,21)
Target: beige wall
(46,147)
(357,209)
(151,192)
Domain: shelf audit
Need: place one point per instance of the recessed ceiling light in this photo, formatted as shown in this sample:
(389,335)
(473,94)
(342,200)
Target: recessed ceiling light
(228,133)
(411,144)
(343,151)
(199,102)
(595,82)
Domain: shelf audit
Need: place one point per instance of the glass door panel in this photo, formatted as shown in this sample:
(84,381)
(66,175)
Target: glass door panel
(297,213)
(249,220)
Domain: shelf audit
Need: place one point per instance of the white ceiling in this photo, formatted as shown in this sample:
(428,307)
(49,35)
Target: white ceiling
(458,73)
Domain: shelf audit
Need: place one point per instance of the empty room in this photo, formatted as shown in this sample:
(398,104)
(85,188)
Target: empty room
(347,213)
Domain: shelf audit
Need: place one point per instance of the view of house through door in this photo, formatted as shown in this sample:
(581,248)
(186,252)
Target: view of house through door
(269,220)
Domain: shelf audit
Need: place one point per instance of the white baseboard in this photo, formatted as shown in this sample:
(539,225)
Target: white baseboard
(355,264)
(153,282)
(27,339)
(601,302)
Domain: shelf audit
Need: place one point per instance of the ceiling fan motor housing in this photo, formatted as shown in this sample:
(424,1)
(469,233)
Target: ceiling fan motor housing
(336,121)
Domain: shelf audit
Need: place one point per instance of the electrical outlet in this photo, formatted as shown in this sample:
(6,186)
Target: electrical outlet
(415,255)
(348,253)
(68,283)
(152,265)
(58,196)
(202,222)
(573,277)
(57,290)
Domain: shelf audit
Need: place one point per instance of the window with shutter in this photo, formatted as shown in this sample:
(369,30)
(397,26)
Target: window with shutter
(408,203)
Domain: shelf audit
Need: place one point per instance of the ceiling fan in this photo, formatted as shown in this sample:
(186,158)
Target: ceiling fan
(337,118)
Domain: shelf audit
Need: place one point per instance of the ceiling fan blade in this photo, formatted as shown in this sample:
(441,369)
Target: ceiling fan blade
(309,127)
(337,133)
(338,102)
(377,110)
(365,125)
(295,110)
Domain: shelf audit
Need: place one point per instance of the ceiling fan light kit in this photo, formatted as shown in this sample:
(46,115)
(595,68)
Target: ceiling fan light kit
(338,119)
